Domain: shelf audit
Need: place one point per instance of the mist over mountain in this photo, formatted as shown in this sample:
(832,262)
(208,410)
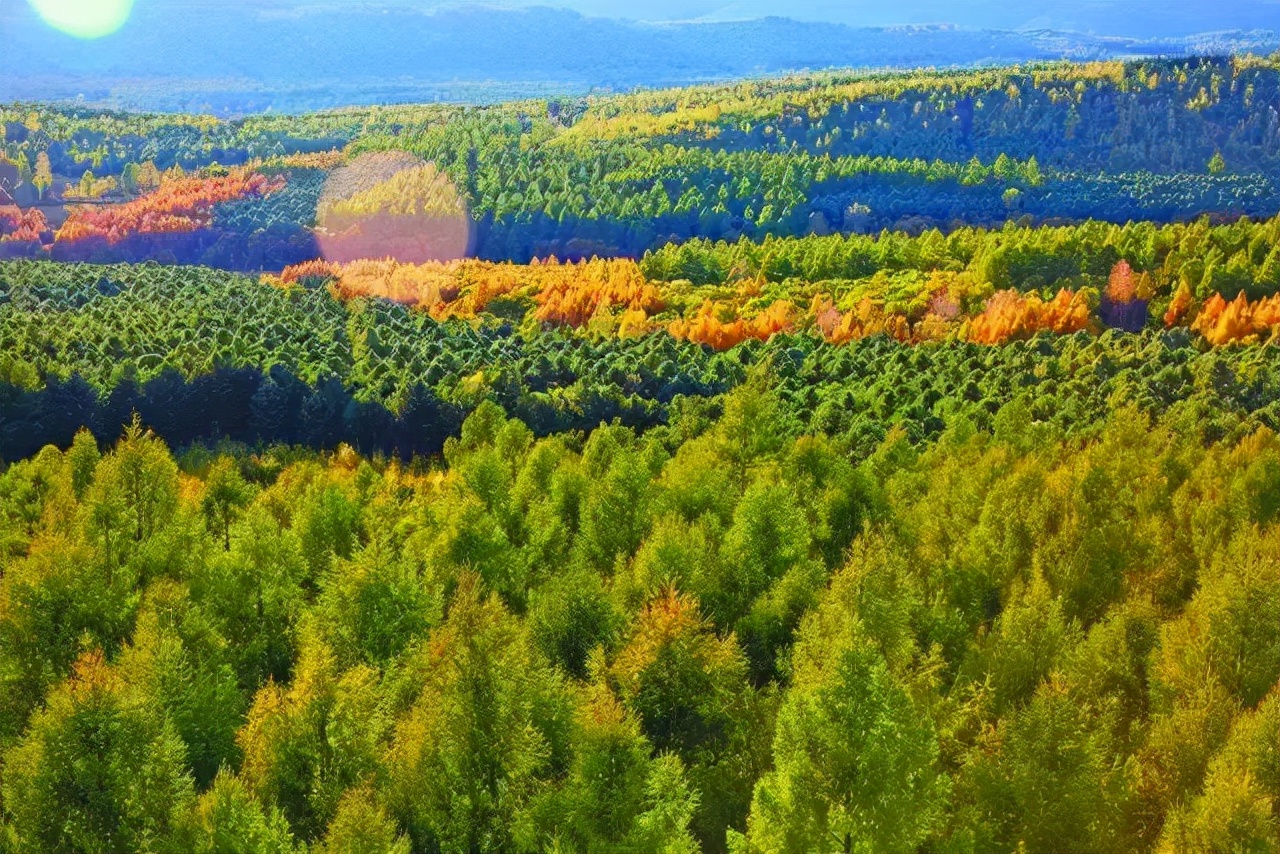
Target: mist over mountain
(282,56)
(1141,19)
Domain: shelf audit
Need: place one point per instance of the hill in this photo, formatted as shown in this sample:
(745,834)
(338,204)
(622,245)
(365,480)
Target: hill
(292,59)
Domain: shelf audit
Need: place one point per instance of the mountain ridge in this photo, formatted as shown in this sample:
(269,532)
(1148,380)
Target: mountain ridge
(300,61)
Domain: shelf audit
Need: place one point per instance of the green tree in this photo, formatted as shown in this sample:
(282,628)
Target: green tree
(229,820)
(1237,810)
(328,526)
(225,495)
(1031,172)
(306,744)
(618,798)
(486,728)
(178,657)
(855,761)
(135,490)
(361,826)
(83,457)
(375,606)
(100,769)
(1045,780)
(129,178)
(254,594)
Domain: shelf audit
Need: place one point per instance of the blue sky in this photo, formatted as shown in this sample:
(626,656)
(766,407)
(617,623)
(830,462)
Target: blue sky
(1133,18)
(1083,15)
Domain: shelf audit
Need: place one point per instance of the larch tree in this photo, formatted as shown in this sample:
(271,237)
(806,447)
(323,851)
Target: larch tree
(42,178)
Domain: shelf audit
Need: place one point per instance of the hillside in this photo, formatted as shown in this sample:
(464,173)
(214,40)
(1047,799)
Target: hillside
(839,461)
(619,175)
(297,60)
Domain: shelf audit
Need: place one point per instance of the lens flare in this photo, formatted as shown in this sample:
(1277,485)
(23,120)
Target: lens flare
(391,205)
(84,19)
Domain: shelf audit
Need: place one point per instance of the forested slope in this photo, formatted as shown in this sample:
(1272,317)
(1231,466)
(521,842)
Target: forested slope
(716,636)
(875,463)
(618,175)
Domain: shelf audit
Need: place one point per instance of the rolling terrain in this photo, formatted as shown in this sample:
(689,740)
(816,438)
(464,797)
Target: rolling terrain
(859,461)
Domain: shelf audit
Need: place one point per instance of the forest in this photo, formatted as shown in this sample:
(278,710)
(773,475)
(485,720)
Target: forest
(722,634)
(845,462)
(610,176)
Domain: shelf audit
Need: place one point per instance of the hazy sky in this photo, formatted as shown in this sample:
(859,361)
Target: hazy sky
(1085,15)
(1132,18)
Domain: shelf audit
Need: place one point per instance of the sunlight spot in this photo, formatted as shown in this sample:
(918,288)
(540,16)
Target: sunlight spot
(84,19)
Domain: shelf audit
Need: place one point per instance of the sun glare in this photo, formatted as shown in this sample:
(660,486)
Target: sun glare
(84,19)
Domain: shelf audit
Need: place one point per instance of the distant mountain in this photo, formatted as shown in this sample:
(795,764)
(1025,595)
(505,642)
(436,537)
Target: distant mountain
(1142,19)
(239,57)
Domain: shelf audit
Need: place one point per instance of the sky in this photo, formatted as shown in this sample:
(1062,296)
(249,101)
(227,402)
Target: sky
(1136,18)
(1130,18)
(136,52)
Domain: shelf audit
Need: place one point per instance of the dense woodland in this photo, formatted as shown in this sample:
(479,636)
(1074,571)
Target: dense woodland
(842,463)
(720,635)
(618,175)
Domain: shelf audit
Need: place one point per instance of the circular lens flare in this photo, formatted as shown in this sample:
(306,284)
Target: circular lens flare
(84,19)
(391,205)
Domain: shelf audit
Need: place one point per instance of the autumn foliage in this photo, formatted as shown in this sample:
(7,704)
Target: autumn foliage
(1222,322)
(574,293)
(1011,315)
(719,326)
(868,318)
(565,294)
(179,205)
(1121,287)
(615,299)
(17,225)
(1178,307)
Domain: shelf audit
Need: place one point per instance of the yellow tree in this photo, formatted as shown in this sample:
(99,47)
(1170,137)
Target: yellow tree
(43,177)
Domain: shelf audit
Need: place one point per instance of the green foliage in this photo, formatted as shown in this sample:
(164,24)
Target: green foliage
(229,820)
(99,769)
(483,732)
(1018,638)
(855,761)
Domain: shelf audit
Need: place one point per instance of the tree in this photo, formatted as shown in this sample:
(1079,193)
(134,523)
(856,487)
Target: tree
(1217,165)
(229,820)
(135,489)
(487,728)
(306,744)
(618,798)
(679,678)
(569,616)
(83,457)
(855,761)
(129,178)
(1237,809)
(100,769)
(42,178)
(328,526)
(374,607)
(58,599)
(225,496)
(1044,780)
(765,578)
(362,826)
(1031,172)
(178,658)
(254,594)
